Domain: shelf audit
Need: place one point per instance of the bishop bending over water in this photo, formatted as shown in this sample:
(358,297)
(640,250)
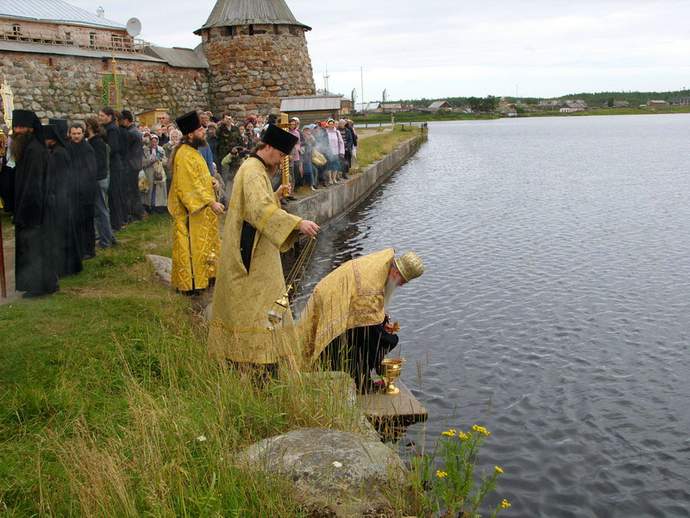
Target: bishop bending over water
(345,324)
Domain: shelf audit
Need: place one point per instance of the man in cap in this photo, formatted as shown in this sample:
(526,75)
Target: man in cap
(34,267)
(345,321)
(250,273)
(193,206)
(62,187)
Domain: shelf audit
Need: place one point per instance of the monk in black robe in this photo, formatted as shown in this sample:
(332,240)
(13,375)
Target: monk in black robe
(62,189)
(35,269)
(116,187)
(84,167)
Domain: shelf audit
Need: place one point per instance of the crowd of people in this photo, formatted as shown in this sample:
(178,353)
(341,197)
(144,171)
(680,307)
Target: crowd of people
(72,187)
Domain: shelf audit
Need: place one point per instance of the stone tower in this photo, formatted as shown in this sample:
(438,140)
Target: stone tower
(257,53)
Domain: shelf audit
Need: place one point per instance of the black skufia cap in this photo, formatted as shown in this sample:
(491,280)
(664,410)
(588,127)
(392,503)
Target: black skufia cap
(188,123)
(28,119)
(279,139)
(51,131)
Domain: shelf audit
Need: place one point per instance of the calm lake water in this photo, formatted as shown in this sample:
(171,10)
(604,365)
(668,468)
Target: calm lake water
(555,309)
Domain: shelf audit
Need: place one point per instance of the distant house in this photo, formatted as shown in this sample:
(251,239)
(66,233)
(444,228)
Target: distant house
(370,107)
(440,106)
(345,106)
(680,101)
(549,104)
(577,105)
(657,103)
(621,104)
(312,108)
(391,107)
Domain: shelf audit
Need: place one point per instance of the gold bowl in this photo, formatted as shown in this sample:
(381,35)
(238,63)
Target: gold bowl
(392,368)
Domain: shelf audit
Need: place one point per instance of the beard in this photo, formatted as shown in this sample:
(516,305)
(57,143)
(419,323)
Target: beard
(18,145)
(388,291)
(198,142)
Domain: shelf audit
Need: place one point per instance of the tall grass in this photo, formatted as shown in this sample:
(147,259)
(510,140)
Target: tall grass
(110,407)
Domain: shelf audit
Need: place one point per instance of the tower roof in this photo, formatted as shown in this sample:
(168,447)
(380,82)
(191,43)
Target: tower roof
(227,13)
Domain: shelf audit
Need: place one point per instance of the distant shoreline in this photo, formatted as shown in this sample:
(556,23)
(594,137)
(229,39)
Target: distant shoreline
(433,117)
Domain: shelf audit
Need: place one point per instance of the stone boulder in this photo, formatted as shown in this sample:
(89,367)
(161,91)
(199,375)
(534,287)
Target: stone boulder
(335,473)
(162,266)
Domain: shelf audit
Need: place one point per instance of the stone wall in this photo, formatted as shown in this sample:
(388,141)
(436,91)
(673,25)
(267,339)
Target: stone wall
(71,87)
(250,72)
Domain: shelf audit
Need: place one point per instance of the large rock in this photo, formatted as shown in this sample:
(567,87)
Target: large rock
(335,473)
(162,266)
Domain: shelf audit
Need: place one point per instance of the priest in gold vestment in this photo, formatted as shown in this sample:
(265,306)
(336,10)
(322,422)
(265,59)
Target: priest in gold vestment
(250,274)
(193,206)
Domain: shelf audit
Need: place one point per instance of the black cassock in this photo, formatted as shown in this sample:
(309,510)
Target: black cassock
(84,170)
(35,268)
(359,351)
(116,192)
(7,184)
(62,187)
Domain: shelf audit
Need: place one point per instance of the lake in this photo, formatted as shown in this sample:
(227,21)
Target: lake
(555,309)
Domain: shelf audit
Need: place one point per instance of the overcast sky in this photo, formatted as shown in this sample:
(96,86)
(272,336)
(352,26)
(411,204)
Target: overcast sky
(443,48)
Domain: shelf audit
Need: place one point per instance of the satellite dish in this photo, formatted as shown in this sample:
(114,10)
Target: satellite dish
(134,27)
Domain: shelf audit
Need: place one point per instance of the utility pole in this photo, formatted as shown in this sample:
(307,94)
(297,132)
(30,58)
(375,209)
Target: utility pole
(326,77)
(361,75)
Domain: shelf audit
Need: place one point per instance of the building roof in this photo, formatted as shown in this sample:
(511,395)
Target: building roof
(178,57)
(228,13)
(367,107)
(437,104)
(65,50)
(55,11)
(310,103)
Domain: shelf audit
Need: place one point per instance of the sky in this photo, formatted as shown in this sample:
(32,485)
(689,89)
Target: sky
(447,48)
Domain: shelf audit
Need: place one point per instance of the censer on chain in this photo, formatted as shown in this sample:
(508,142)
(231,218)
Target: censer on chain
(282,304)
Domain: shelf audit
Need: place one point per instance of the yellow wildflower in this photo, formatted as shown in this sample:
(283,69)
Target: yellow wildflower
(450,432)
(463,436)
(441,474)
(498,470)
(481,430)
(505,504)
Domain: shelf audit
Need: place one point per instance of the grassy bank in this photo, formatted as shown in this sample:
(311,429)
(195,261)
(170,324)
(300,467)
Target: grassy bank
(375,147)
(109,406)
(610,111)
(376,118)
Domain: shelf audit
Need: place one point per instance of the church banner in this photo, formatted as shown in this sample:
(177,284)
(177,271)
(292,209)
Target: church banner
(112,90)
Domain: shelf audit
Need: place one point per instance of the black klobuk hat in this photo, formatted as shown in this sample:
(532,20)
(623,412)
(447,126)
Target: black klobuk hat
(52,132)
(28,119)
(279,139)
(188,123)
(61,126)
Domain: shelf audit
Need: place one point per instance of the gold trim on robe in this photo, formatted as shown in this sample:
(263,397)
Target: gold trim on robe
(241,300)
(196,240)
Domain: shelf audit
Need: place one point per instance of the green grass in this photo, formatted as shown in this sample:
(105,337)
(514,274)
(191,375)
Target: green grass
(105,389)
(375,147)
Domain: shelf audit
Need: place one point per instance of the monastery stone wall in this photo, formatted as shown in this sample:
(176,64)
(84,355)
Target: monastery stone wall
(249,73)
(71,87)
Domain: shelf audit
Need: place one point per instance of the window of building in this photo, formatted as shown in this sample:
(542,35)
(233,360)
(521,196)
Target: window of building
(68,36)
(92,39)
(228,31)
(251,30)
(16,30)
